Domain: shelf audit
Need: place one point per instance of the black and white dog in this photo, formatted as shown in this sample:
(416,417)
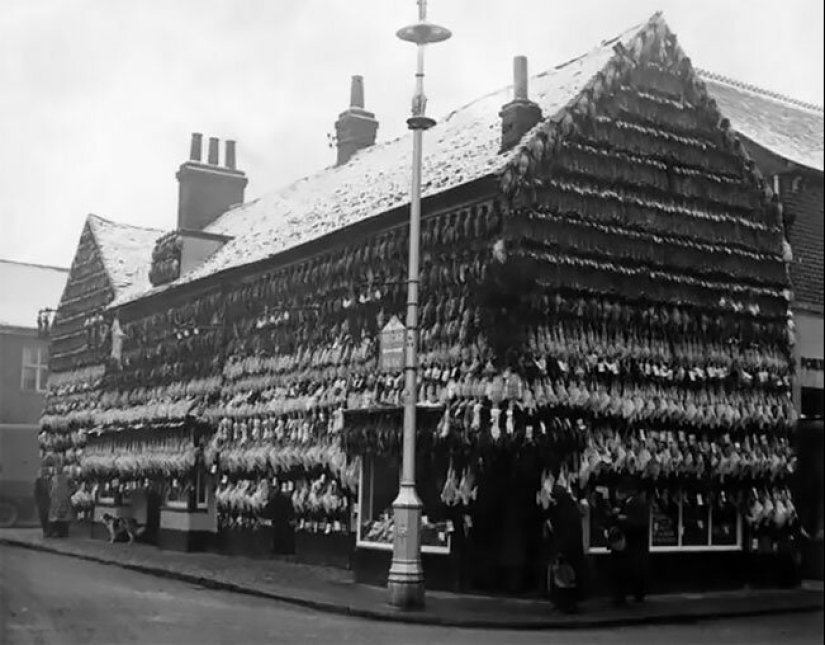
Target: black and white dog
(122,528)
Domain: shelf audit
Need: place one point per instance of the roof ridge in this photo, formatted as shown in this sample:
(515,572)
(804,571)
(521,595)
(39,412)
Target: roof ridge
(34,264)
(713,76)
(124,224)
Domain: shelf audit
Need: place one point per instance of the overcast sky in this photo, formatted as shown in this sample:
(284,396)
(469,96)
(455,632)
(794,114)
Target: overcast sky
(98,97)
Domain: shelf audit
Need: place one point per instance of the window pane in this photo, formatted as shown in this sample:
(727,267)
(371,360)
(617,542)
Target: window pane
(202,481)
(695,524)
(813,402)
(664,522)
(600,520)
(29,381)
(724,520)
(29,355)
(44,378)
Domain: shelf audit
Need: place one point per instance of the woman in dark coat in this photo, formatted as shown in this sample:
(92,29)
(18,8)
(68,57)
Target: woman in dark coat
(566,557)
(41,499)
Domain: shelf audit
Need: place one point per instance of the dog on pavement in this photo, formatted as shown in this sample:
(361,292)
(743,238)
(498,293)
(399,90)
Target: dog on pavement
(122,528)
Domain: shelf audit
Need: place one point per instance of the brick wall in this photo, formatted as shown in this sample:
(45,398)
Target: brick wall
(806,237)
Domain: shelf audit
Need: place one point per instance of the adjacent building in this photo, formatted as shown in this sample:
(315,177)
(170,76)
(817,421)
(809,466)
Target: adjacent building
(25,291)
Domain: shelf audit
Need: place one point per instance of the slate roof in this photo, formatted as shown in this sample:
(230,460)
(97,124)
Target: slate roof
(789,128)
(126,252)
(25,289)
(462,147)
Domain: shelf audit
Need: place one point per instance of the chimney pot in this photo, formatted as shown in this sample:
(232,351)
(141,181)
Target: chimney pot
(521,114)
(214,142)
(520,78)
(229,158)
(356,127)
(196,148)
(356,93)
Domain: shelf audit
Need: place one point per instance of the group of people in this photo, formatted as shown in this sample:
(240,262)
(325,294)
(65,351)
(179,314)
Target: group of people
(564,545)
(52,494)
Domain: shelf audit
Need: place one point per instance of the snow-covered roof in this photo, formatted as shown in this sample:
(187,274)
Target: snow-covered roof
(25,289)
(126,252)
(789,128)
(463,147)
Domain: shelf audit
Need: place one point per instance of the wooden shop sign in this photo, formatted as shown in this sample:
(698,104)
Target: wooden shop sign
(391,346)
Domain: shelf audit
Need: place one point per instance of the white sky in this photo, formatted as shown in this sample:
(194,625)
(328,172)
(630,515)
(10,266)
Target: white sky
(98,97)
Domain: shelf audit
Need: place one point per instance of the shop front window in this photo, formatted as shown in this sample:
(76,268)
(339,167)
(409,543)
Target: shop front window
(696,518)
(177,496)
(678,522)
(664,523)
(380,478)
(812,404)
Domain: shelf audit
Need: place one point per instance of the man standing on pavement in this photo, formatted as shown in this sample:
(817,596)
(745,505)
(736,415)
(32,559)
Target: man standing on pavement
(630,546)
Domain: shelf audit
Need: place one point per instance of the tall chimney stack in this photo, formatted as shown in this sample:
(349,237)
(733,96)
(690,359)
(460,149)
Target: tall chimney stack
(520,78)
(229,155)
(356,92)
(196,149)
(521,114)
(355,128)
(214,142)
(207,190)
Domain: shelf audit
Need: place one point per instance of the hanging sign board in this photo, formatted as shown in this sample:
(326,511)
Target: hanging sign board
(391,346)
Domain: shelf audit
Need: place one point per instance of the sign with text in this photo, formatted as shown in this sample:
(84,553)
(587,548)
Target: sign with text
(391,346)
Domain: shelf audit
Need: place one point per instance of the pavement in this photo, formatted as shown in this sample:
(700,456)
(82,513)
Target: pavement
(334,591)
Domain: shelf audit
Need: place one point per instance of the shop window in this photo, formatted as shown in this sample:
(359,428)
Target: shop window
(377,491)
(599,518)
(688,522)
(177,496)
(665,515)
(35,371)
(812,404)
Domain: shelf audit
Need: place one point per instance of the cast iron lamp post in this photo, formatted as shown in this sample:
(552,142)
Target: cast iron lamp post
(406,578)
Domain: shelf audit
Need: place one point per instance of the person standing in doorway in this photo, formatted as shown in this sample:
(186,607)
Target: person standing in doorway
(41,499)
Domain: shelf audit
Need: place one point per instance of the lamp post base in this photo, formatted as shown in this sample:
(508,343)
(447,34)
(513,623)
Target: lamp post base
(407,594)
(405,582)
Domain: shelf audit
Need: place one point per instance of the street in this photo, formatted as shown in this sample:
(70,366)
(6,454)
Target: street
(51,599)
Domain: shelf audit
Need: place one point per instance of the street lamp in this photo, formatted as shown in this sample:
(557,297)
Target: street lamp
(406,578)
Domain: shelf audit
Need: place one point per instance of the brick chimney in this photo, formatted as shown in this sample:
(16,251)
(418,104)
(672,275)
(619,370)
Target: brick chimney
(207,190)
(355,128)
(521,114)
